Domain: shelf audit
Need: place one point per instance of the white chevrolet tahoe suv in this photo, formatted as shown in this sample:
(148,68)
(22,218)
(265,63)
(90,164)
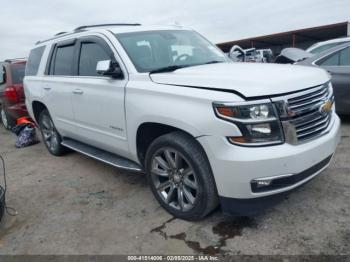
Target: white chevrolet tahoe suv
(166,102)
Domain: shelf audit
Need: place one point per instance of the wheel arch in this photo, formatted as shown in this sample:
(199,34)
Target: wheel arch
(37,108)
(147,132)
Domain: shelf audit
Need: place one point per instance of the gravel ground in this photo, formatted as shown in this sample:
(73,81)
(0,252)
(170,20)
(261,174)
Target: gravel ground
(76,205)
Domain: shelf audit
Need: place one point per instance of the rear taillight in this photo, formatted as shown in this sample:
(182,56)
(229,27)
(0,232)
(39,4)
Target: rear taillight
(11,94)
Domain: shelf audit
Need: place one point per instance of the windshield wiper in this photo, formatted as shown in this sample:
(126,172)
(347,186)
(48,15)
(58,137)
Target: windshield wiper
(213,62)
(167,69)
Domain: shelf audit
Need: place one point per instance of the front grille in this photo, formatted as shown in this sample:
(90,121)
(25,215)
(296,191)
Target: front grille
(307,114)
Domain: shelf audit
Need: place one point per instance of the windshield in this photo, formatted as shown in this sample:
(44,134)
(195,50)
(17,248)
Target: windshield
(153,50)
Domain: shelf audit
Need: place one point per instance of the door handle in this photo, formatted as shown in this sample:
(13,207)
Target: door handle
(47,88)
(78,92)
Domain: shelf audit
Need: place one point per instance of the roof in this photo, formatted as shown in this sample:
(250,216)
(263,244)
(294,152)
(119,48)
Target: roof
(337,40)
(316,34)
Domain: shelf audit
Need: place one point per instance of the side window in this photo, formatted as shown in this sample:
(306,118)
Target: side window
(34,61)
(90,54)
(345,57)
(63,59)
(332,60)
(2,74)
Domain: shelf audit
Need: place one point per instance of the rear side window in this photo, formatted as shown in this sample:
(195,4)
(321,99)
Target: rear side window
(90,54)
(62,63)
(333,60)
(17,73)
(345,57)
(34,61)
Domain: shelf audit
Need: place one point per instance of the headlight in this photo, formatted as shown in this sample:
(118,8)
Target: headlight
(258,122)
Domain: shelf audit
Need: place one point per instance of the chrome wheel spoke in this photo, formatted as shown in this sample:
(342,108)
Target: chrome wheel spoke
(160,161)
(187,172)
(47,135)
(160,172)
(180,198)
(190,183)
(46,123)
(169,158)
(188,195)
(164,186)
(170,193)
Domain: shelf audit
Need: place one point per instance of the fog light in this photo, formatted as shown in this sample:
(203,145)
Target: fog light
(262,183)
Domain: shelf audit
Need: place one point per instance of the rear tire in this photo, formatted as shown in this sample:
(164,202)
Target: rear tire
(7,121)
(52,139)
(180,176)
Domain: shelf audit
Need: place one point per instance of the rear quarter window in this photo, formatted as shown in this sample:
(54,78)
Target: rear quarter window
(34,61)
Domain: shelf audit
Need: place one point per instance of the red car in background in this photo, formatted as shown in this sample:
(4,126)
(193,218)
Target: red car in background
(12,100)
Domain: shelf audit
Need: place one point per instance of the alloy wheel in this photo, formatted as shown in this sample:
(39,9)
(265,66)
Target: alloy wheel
(49,132)
(174,179)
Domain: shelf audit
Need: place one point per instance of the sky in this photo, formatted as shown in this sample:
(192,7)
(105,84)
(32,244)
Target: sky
(23,22)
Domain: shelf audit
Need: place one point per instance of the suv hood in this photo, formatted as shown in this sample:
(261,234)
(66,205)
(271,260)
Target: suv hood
(250,80)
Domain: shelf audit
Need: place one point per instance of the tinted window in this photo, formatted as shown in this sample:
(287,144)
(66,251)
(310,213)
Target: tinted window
(2,74)
(90,54)
(17,73)
(34,61)
(345,57)
(333,60)
(63,60)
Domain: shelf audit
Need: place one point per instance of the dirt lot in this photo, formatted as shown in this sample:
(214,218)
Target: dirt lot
(76,205)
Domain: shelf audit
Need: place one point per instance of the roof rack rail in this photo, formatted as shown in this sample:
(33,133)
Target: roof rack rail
(60,33)
(100,25)
(81,28)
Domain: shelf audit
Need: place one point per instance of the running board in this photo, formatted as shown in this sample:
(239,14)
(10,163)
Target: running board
(101,155)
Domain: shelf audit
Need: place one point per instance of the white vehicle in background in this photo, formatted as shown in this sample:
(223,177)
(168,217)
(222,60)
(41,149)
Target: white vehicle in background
(166,102)
(238,54)
(322,46)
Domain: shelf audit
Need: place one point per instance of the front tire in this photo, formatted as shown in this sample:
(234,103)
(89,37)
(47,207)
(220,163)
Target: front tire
(180,176)
(52,139)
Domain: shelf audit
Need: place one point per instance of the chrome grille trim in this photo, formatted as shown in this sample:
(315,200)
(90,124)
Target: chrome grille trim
(302,116)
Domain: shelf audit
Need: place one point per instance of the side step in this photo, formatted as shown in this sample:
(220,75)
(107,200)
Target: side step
(101,155)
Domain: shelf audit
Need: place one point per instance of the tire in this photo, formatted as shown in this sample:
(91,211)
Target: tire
(180,176)
(52,139)
(7,121)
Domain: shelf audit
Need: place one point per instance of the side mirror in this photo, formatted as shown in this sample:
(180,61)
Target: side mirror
(109,68)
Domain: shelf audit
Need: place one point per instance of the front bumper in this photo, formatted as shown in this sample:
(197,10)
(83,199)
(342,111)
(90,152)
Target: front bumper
(235,167)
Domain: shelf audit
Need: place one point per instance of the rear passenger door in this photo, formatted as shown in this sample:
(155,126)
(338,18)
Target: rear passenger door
(98,101)
(57,86)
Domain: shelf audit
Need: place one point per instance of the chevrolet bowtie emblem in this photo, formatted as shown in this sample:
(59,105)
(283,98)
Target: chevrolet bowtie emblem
(326,107)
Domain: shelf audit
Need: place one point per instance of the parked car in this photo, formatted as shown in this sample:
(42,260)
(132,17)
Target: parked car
(166,102)
(323,46)
(238,54)
(12,101)
(336,61)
